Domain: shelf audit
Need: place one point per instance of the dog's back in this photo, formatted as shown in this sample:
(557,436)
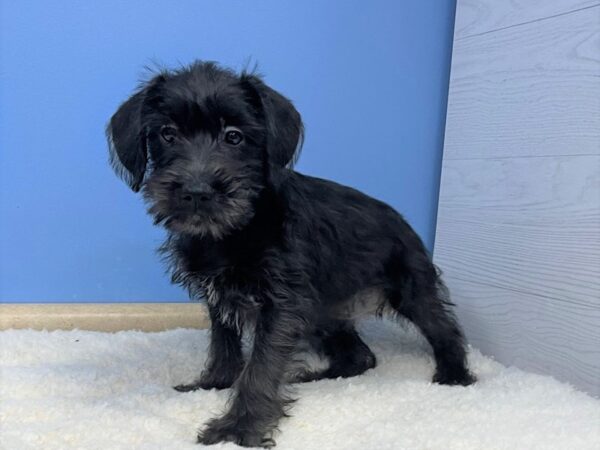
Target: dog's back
(355,242)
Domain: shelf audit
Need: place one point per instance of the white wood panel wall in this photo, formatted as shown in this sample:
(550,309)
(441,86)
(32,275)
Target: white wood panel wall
(518,233)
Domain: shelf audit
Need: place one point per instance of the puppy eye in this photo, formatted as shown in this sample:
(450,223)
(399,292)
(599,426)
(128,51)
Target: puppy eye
(233,136)
(168,134)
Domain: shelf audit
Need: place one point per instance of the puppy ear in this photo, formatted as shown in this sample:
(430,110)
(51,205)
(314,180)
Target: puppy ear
(127,138)
(284,124)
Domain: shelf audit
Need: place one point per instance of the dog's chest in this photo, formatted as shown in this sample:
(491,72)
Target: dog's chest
(229,279)
(234,306)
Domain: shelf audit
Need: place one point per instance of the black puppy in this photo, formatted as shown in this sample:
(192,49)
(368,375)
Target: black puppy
(292,258)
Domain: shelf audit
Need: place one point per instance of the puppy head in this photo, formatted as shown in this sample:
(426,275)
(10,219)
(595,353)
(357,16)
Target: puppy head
(203,142)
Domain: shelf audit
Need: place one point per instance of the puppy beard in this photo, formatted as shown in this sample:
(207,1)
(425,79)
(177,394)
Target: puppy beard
(229,211)
(233,214)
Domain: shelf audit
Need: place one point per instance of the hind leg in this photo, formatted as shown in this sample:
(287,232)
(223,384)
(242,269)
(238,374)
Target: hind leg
(348,355)
(423,301)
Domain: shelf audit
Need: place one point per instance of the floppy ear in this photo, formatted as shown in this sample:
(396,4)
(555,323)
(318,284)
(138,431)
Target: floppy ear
(127,139)
(284,124)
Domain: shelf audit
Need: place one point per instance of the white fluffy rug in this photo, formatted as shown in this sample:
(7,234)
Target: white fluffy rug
(90,390)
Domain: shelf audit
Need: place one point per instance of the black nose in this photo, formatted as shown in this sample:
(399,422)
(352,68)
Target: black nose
(197,193)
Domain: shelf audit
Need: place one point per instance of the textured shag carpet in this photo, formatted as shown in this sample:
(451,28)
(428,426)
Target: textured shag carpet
(91,390)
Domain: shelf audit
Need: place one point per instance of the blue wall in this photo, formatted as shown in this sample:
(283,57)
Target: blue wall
(370,79)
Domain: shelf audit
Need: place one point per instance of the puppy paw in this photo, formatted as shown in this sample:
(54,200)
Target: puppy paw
(460,377)
(201,384)
(226,430)
(210,380)
(188,387)
(204,384)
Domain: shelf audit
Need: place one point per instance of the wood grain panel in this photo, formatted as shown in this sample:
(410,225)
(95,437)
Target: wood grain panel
(531,332)
(519,243)
(474,17)
(528,90)
(527,224)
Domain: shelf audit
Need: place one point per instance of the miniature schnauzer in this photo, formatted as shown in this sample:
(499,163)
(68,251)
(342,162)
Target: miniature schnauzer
(294,259)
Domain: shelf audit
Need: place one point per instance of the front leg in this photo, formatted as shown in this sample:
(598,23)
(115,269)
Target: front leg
(258,403)
(225,359)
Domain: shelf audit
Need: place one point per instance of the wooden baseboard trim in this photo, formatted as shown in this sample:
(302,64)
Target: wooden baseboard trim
(108,317)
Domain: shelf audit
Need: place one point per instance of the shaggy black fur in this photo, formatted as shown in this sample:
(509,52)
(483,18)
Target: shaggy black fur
(289,257)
